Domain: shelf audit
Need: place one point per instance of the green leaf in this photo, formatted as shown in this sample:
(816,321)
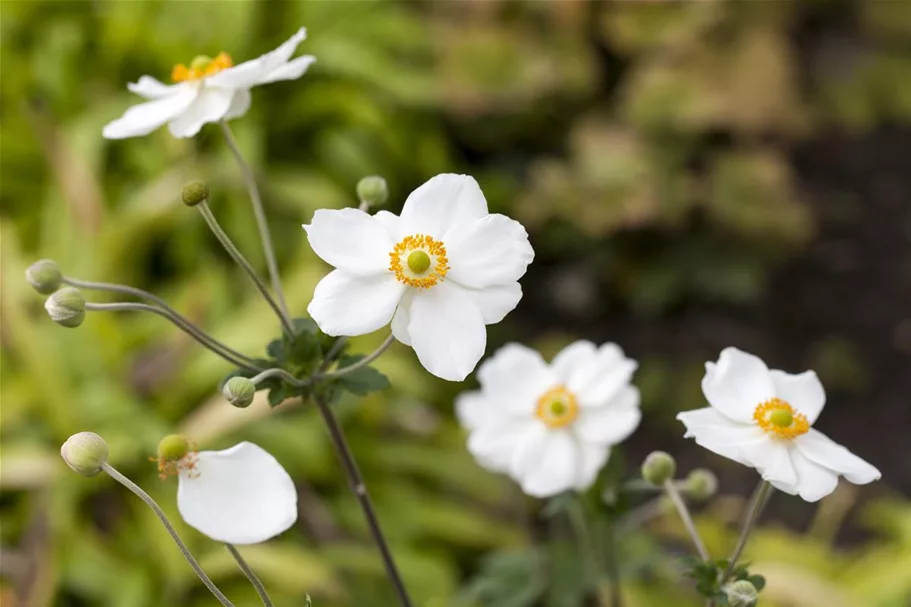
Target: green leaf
(362,381)
(276,350)
(557,504)
(758,581)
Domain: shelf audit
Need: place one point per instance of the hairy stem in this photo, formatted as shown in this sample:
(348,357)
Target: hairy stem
(757,503)
(251,575)
(684,513)
(276,372)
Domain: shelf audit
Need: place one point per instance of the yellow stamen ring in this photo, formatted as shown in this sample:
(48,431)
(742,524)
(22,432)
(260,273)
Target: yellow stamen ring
(777,417)
(557,407)
(419,261)
(201,67)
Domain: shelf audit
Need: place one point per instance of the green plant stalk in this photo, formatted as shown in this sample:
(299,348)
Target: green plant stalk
(251,575)
(137,490)
(284,375)
(757,503)
(684,513)
(591,554)
(359,364)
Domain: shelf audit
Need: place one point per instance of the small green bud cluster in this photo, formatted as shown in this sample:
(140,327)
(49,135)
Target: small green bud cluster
(373,191)
(85,452)
(66,307)
(658,468)
(239,391)
(741,594)
(45,276)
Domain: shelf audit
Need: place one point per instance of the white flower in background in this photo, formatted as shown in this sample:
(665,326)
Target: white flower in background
(208,90)
(240,495)
(439,272)
(761,418)
(550,427)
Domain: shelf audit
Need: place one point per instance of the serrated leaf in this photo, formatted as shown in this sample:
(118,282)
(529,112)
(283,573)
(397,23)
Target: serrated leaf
(304,325)
(758,581)
(280,393)
(276,350)
(363,381)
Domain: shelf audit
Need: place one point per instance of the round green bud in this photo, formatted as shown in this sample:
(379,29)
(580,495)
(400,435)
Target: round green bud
(84,452)
(173,447)
(194,192)
(66,307)
(239,391)
(741,594)
(701,484)
(44,275)
(373,190)
(658,467)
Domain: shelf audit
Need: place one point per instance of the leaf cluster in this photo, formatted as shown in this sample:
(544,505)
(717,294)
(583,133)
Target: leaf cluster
(708,576)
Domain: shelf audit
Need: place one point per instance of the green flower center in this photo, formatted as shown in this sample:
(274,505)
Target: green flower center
(418,262)
(200,62)
(781,418)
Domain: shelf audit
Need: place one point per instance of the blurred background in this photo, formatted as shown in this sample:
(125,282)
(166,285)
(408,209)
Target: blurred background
(693,175)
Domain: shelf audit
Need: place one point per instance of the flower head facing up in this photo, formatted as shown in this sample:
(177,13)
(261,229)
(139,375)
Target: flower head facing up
(763,418)
(207,90)
(550,426)
(438,273)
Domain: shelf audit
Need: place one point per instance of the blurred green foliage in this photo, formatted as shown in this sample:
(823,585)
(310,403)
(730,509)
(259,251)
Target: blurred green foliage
(589,122)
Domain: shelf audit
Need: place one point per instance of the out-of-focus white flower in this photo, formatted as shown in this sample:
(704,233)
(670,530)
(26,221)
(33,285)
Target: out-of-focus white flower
(240,495)
(550,427)
(208,90)
(439,272)
(762,418)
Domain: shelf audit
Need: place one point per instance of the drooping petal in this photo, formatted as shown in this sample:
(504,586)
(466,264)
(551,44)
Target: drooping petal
(248,73)
(737,384)
(557,468)
(289,71)
(442,203)
(151,88)
(598,379)
(571,358)
(611,423)
(447,331)
(493,250)
(354,305)
(351,240)
(144,118)
(720,434)
(802,391)
(516,376)
(591,459)
(240,103)
(210,105)
(772,458)
(814,482)
(495,302)
(819,448)
(494,444)
(241,495)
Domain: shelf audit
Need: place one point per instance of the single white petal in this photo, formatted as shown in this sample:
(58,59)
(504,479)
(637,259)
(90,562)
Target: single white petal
(802,391)
(819,448)
(240,103)
(248,73)
(772,458)
(392,223)
(401,319)
(572,358)
(351,240)
(495,302)
(354,305)
(557,469)
(447,331)
(600,378)
(737,384)
(241,495)
(442,203)
(517,377)
(144,118)
(493,250)
(612,422)
(151,88)
(587,369)
(292,70)
(814,482)
(473,409)
(720,434)
(210,105)
(495,443)
(591,459)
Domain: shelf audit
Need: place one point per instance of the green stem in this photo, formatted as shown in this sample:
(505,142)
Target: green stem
(359,364)
(258,585)
(276,372)
(590,553)
(684,513)
(757,503)
(136,489)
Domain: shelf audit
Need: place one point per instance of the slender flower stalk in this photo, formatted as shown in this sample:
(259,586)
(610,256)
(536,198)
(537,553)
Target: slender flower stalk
(757,503)
(684,513)
(137,490)
(251,575)
(361,363)
(591,554)
(243,263)
(281,373)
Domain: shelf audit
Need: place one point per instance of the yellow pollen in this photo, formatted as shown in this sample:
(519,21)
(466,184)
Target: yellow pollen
(201,67)
(777,417)
(419,261)
(557,407)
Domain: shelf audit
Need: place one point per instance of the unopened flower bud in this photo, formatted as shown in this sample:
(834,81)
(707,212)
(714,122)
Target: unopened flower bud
(194,192)
(701,484)
(44,275)
(373,190)
(84,453)
(658,467)
(239,391)
(66,307)
(172,448)
(741,594)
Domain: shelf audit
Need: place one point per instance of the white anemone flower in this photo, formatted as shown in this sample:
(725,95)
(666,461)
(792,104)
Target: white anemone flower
(551,426)
(240,495)
(208,90)
(762,418)
(438,273)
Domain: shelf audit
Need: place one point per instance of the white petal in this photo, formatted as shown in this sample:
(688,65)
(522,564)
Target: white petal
(442,203)
(240,103)
(516,376)
(292,70)
(557,469)
(772,458)
(814,482)
(819,448)
(495,302)
(241,495)
(210,105)
(351,240)
(354,305)
(611,423)
(598,379)
(720,434)
(150,88)
(737,384)
(495,444)
(473,409)
(401,319)
(392,223)
(803,391)
(248,73)
(144,118)
(493,250)
(591,459)
(447,331)
(571,358)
